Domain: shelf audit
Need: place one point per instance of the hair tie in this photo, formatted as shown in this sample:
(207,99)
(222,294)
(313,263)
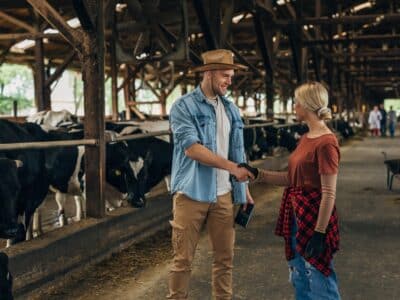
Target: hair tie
(323,110)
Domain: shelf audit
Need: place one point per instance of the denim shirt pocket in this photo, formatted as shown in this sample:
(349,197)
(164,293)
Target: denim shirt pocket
(237,134)
(206,128)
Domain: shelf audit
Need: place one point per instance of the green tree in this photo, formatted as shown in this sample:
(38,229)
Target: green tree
(16,84)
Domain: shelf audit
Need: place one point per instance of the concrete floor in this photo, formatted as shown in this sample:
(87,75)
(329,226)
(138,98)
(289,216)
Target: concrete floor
(367,264)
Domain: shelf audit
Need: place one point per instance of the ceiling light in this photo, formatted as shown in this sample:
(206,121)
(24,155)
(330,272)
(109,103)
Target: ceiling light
(237,19)
(74,23)
(51,31)
(22,46)
(361,6)
(119,7)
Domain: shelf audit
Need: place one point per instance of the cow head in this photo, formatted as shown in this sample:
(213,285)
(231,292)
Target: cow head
(121,175)
(9,191)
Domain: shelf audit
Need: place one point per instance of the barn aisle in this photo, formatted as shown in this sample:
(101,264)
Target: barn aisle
(367,264)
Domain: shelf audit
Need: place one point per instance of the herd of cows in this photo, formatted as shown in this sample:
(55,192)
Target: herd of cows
(133,167)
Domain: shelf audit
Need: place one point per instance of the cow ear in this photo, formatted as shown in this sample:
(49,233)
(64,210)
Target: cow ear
(18,163)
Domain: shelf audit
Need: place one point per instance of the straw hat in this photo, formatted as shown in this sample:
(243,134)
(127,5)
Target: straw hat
(219,59)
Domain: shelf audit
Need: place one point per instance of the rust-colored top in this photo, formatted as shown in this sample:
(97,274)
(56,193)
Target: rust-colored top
(313,157)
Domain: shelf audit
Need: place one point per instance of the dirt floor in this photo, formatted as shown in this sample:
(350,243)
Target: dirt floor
(367,264)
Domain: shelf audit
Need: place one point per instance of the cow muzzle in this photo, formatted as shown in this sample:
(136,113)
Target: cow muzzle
(8,231)
(136,201)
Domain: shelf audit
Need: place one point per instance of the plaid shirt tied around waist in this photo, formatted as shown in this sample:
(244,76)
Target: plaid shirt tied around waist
(304,204)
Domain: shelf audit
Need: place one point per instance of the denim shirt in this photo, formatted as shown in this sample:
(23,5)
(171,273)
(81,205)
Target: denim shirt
(193,120)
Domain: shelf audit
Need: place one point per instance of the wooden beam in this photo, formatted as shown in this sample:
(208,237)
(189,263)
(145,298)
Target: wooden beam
(93,78)
(135,103)
(3,55)
(203,19)
(126,85)
(56,20)
(60,69)
(23,36)
(265,44)
(361,38)
(243,60)
(114,67)
(354,19)
(195,58)
(42,103)
(152,89)
(17,22)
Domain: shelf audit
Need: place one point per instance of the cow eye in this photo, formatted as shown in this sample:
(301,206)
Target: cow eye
(117,172)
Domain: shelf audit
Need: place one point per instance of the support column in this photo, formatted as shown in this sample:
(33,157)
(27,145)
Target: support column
(114,69)
(263,25)
(42,102)
(127,93)
(93,77)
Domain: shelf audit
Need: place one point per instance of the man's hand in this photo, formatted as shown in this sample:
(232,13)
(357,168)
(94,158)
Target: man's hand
(249,198)
(316,245)
(254,171)
(241,174)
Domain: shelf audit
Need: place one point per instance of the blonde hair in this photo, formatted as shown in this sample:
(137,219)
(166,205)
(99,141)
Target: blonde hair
(313,96)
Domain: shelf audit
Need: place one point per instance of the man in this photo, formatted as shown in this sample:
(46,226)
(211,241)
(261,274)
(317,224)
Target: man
(392,121)
(206,180)
(383,119)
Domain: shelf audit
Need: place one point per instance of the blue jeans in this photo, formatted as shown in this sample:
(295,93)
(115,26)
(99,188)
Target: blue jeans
(308,282)
(392,127)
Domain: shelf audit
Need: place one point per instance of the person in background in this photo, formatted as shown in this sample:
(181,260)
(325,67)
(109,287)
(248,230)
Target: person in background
(206,179)
(383,119)
(307,220)
(374,121)
(392,121)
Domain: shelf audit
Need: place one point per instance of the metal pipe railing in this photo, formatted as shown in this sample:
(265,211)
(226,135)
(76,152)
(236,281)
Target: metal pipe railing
(259,125)
(140,135)
(52,144)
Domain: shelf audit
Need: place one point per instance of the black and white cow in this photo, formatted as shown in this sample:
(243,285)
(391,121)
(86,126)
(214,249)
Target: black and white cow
(53,119)
(33,182)
(6,279)
(9,190)
(150,158)
(67,175)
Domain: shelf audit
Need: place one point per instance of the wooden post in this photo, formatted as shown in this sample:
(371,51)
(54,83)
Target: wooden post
(39,75)
(93,77)
(163,102)
(114,69)
(127,93)
(265,43)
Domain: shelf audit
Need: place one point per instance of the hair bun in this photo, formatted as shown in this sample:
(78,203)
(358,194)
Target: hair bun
(323,111)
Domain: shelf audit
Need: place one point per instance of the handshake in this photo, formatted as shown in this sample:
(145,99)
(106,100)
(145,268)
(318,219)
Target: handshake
(251,170)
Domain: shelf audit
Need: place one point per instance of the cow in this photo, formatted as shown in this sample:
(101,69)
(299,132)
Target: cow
(53,119)
(33,182)
(67,175)
(150,158)
(9,190)
(6,278)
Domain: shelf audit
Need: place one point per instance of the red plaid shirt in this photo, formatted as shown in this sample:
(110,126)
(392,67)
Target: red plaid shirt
(305,205)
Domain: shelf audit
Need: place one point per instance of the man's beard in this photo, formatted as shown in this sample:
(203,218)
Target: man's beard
(215,90)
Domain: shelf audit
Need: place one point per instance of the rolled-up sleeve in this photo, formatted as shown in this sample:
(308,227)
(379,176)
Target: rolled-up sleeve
(183,129)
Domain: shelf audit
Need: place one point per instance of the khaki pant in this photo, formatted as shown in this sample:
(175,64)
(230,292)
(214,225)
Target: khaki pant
(189,218)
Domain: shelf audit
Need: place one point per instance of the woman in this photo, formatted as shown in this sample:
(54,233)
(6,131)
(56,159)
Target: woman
(307,219)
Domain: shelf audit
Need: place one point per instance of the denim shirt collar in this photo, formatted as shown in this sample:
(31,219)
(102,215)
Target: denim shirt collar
(201,97)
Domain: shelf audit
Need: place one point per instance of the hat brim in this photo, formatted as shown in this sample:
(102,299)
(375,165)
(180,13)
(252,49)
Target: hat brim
(217,66)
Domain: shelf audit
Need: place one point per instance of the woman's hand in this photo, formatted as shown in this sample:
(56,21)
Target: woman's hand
(254,171)
(316,245)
